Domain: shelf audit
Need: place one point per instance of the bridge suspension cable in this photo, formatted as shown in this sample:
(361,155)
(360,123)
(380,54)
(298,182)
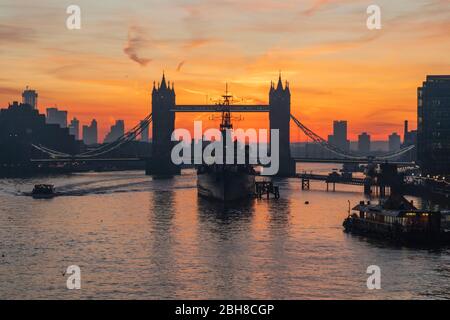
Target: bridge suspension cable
(50,152)
(332,148)
(395,154)
(136,130)
(126,137)
(316,138)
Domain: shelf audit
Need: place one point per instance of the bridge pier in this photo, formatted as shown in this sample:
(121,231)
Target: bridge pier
(280,117)
(334,186)
(305,184)
(367,186)
(163,101)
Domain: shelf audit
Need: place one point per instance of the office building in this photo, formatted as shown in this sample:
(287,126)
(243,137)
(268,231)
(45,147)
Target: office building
(30,97)
(117,130)
(90,133)
(74,128)
(145,132)
(20,126)
(364,143)
(394,142)
(339,136)
(55,116)
(433,125)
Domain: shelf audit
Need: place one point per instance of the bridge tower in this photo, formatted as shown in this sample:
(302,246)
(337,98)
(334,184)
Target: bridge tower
(279,117)
(163,101)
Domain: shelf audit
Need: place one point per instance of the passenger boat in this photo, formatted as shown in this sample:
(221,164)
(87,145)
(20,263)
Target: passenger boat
(43,191)
(399,220)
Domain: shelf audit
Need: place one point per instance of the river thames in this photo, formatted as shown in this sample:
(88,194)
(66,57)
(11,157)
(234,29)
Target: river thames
(138,238)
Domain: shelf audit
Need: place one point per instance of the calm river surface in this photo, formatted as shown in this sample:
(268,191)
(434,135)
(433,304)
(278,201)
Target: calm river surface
(138,238)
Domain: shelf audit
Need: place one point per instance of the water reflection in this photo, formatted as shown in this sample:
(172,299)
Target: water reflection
(279,214)
(225,213)
(225,244)
(160,240)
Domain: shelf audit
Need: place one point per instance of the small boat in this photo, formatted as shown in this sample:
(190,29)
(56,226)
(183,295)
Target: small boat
(43,191)
(399,220)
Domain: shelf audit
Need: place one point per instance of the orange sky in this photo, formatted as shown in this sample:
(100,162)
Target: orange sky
(337,68)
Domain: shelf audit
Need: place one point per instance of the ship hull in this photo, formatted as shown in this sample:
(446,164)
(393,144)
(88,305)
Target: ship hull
(226,185)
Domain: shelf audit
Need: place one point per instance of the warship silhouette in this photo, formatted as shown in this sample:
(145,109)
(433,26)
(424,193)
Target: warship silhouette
(227,182)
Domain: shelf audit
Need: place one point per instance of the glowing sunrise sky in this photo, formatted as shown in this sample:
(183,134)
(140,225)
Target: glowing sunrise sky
(337,68)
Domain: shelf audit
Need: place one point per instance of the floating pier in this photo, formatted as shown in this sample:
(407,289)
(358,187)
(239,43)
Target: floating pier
(335,178)
(266,188)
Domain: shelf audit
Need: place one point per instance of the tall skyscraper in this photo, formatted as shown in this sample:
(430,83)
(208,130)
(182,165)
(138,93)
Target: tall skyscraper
(90,134)
(394,142)
(339,136)
(30,97)
(55,116)
(433,125)
(144,133)
(117,130)
(74,128)
(364,143)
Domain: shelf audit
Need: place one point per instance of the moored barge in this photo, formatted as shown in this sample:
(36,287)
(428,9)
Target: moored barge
(397,219)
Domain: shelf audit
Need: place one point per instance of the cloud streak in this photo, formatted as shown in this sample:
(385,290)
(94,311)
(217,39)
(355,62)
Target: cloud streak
(135,42)
(318,5)
(195,43)
(180,65)
(9,91)
(15,34)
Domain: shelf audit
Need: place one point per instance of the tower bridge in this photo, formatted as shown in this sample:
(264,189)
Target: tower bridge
(163,115)
(164,109)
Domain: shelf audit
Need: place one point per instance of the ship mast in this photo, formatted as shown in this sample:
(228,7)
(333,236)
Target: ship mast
(226,115)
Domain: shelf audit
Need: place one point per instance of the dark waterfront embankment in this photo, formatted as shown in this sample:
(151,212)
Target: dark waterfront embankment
(30,169)
(427,189)
(432,190)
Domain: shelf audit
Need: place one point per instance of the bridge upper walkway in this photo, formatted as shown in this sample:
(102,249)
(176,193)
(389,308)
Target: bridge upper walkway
(219,108)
